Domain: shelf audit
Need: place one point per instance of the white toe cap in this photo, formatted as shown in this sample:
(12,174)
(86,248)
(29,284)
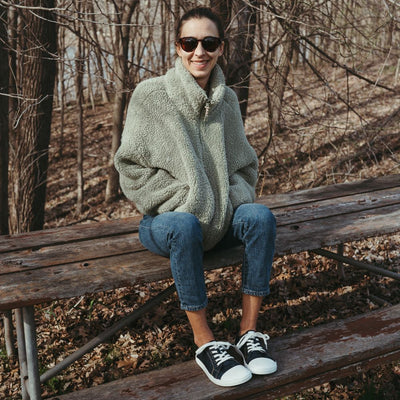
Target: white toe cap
(262,366)
(236,376)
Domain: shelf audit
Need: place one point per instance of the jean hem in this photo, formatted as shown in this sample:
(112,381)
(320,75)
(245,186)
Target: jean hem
(259,293)
(194,308)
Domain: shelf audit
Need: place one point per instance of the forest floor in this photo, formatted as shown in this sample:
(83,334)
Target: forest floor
(321,141)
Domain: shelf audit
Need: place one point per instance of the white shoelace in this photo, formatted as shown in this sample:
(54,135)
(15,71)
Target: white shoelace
(253,345)
(250,339)
(219,352)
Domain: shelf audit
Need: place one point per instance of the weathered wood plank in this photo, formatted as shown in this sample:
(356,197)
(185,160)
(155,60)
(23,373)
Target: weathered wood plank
(83,251)
(340,206)
(311,235)
(331,191)
(347,370)
(94,230)
(306,358)
(39,285)
(35,285)
(126,243)
(76,279)
(103,252)
(49,237)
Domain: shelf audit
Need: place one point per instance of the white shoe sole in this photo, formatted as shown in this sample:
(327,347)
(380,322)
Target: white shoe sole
(262,371)
(226,383)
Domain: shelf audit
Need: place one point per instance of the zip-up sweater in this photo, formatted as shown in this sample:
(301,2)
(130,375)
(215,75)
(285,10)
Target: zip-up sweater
(182,150)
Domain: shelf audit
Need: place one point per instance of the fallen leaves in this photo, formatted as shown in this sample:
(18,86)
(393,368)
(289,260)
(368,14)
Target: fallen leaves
(129,362)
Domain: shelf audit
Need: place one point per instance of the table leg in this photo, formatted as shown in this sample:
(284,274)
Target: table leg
(8,333)
(31,353)
(340,251)
(23,366)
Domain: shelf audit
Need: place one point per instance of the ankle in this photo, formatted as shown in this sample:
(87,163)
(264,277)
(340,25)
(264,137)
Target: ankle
(246,329)
(200,340)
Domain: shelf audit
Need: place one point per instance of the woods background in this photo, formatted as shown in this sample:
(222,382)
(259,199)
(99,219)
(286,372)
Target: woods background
(317,80)
(59,53)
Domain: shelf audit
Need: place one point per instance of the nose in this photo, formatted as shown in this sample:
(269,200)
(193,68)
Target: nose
(199,49)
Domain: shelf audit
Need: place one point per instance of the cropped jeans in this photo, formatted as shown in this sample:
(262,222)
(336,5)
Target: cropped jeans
(178,235)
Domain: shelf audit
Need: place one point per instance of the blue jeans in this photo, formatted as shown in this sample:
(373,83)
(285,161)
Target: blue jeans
(178,236)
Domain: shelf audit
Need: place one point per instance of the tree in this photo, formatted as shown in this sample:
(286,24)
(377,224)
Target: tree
(8,328)
(123,11)
(79,70)
(278,71)
(240,18)
(3,122)
(29,139)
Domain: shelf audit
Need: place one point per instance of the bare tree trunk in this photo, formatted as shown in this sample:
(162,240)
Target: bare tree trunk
(164,43)
(168,33)
(90,84)
(276,81)
(79,68)
(29,140)
(222,8)
(62,88)
(95,28)
(177,5)
(121,71)
(277,87)
(7,319)
(238,69)
(388,40)
(3,123)
(12,79)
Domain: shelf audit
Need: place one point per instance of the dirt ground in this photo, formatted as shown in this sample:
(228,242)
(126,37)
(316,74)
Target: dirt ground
(321,142)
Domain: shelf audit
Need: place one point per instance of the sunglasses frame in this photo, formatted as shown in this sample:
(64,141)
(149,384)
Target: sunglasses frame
(180,40)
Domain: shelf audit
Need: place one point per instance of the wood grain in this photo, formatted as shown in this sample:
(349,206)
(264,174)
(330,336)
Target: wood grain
(66,262)
(305,359)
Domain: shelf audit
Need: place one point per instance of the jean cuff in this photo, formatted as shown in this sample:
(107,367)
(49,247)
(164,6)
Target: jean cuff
(260,293)
(194,308)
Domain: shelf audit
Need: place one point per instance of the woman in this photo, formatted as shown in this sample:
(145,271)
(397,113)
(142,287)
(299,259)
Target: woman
(185,162)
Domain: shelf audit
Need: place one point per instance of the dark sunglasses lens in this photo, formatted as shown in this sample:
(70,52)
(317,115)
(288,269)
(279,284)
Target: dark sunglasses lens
(188,44)
(211,44)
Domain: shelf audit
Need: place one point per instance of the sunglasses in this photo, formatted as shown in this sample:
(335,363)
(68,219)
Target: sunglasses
(209,43)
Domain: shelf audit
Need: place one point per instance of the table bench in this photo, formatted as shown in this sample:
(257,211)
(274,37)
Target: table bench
(305,359)
(66,262)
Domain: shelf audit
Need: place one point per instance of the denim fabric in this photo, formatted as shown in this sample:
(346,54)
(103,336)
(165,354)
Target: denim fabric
(178,236)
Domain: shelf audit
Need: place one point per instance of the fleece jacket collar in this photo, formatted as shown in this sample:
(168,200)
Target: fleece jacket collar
(187,94)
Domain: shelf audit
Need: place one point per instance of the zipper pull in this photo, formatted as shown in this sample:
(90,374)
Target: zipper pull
(207,108)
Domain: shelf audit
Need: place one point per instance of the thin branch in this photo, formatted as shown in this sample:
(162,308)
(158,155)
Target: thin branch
(352,71)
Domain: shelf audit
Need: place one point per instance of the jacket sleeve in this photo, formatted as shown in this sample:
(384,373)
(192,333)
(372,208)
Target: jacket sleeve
(242,185)
(242,159)
(153,189)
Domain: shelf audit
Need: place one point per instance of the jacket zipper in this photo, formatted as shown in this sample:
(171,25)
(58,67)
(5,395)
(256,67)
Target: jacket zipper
(203,125)
(207,109)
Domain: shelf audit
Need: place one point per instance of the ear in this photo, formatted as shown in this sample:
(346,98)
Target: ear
(221,49)
(178,49)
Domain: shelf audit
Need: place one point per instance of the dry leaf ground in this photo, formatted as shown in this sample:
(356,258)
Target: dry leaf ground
(321,142)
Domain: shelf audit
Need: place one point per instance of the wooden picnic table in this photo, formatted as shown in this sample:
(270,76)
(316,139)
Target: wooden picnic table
(43,266)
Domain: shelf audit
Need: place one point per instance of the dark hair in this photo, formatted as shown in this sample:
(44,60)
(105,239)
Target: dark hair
(200,12)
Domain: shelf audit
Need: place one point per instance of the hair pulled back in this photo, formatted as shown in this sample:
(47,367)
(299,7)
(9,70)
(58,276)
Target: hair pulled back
(198,13)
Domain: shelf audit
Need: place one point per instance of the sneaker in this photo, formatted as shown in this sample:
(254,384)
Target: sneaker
(219,366)
(253,346)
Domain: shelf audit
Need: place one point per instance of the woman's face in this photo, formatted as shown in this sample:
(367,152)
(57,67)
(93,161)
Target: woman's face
(199,62)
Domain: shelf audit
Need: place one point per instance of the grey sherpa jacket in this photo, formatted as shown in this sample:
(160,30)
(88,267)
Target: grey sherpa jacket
(184,151)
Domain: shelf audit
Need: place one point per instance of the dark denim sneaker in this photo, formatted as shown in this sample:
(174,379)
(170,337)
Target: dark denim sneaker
(219,366)
(253,346)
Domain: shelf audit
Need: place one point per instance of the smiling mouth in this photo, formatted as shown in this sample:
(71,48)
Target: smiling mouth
(202,62)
